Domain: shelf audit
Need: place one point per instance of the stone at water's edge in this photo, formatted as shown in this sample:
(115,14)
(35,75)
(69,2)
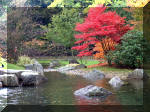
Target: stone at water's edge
(71,67)
(80,66)
(32,79)
(36,66)
(94,75)
(73,61)
(137,74)
(28,66)
(116,82)
(9,80)
(92,91)
(54,64)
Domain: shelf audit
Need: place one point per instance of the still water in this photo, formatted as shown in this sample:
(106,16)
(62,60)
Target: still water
(59,91)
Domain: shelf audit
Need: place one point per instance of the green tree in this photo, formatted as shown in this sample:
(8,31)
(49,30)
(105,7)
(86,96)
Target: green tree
(61,30)
(70,3)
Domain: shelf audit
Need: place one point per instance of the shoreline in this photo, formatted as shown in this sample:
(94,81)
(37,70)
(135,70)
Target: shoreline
(81,72)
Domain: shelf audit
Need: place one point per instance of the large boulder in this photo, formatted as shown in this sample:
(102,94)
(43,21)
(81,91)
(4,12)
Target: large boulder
(9,80)
(54,64)
(116,82)
(94,75)
(91,91)
(66,68)
(11,71)
(32,78)
(28,66)
(73,61)
(36,66)
(71,67)
(137,74)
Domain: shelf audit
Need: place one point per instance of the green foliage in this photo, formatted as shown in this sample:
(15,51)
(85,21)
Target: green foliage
(42,3)
(24,60)
(130,52)
(3,63)
(70,3)
(61,30)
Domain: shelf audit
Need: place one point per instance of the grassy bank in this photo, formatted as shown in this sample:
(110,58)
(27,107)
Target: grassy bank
(65,62)
(110,69)
(87,63)
(13,66)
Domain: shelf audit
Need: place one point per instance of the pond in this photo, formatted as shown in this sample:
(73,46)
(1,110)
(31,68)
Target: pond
(59,91)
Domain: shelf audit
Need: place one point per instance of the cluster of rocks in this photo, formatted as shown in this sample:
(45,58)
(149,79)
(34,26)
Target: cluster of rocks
(33,76)
(115,82)
(73,65)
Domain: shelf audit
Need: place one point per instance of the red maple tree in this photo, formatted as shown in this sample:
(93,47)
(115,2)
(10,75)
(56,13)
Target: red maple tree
(97,25)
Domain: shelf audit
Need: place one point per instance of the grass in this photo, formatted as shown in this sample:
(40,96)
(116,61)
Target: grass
(110,69)
(44,61)
(65,62)
(13,66)
(87,63)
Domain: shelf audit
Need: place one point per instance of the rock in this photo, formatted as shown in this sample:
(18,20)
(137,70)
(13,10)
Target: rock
(54,64)
(136,74)
(94,75)
(71,67)
(9,80)
(66,68)
(91,91)
(32,79)
(11,71)
(37,67)
(28,66)
(116,82)
(80,66)
(1,85)
(73,61)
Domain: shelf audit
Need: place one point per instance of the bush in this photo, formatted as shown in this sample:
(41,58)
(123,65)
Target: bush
(130,52)
(24,60)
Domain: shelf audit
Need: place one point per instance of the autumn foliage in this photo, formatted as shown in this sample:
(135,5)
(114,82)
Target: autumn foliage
(103,46)
(97,25)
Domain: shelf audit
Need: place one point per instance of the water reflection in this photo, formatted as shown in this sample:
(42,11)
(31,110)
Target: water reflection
(3,98)
(137,84)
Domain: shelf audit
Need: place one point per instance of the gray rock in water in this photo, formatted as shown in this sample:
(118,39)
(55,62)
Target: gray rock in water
(136,74)
(73,61)
(32,79)
(54,64)
(91,91)
(94,75)
(9,80)
(116,82)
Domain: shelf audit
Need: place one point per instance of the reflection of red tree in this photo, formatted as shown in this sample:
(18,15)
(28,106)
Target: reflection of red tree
(93,105)
(102,83)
